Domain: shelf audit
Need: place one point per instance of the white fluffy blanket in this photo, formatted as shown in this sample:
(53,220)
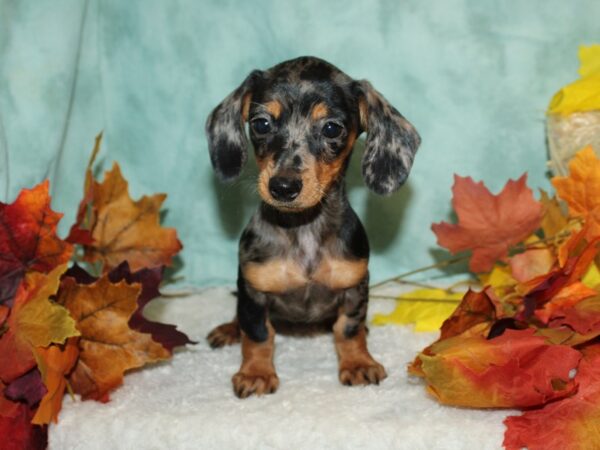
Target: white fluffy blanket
(188,403)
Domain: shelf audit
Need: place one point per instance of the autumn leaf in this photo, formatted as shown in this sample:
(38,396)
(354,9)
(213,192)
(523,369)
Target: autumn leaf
(54,363)
(425,308)
(572,423)
(503,286)
(516,369)
(28,239)
(108,346)
(592,277)
(544,288)
(583,317)
(554,220)
(80,231)
(8,408)
(123,229)
(19,433)
(488,224)
(564,335)
(474,309)
(4,310)
(564,301)
(28,388)
(34,321)
(581,189)
(531,264)
(150,280)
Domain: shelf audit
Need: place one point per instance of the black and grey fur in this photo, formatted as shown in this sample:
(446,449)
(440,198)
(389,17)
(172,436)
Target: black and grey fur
(305,216)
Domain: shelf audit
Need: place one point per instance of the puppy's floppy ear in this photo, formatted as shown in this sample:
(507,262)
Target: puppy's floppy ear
(391,141)
(227,142)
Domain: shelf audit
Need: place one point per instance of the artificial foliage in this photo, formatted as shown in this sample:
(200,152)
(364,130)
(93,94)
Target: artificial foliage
(529,338)
(79,328)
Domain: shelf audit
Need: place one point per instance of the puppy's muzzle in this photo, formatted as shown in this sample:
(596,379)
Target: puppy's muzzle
(285,189)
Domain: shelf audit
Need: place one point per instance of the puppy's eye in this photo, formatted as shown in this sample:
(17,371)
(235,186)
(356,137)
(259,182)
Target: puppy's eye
(261,125)
(331,130)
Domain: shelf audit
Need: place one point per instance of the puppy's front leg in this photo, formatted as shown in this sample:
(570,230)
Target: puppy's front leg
(257,373)
(356,365)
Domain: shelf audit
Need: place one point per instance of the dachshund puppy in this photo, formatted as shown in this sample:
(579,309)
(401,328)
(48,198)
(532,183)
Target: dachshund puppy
(303,256)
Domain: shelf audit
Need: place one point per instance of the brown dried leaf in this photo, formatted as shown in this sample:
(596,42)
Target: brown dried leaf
(108,346)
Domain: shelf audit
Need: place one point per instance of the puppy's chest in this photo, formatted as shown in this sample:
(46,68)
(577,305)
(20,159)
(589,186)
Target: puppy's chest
(303,260)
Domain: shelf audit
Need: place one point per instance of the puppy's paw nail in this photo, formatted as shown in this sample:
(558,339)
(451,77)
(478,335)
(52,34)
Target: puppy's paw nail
(226,334)
(359,374)
(245,384)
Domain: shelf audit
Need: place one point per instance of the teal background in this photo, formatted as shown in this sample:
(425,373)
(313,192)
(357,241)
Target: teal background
(474,77)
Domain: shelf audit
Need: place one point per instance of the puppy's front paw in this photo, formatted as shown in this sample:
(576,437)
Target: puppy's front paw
(225,334)
(356,373)
(246,384)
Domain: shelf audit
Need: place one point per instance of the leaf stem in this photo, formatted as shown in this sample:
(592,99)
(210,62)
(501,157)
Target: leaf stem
(438,265)
(415,299)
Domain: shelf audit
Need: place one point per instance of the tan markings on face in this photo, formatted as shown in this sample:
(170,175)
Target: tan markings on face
(363,112)
(340,273)
(319,111)
(274,108)
(267,168)
(356,365)
(309,196)
(246,106)
(257,373)
(275,276)
(316,178)
(328,172)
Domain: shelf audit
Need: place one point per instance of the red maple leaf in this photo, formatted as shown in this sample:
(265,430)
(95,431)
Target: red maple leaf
(489,224)
(516,369)
(28,239)
(17,432)
(569,423)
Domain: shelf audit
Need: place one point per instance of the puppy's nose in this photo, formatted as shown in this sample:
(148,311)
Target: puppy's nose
(285,189)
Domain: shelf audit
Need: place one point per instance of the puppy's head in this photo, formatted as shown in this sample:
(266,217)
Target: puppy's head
(304,116)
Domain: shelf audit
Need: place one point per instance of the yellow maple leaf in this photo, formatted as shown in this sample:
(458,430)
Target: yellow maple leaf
(425,308)
(34,321)
(583,94)
(42,321)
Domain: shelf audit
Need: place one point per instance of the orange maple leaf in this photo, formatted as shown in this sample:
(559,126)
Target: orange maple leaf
(28,239)
(129,231)
(489,224)
(34,321)
(581,189)
(54,363)
(108,346)
(113,228)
